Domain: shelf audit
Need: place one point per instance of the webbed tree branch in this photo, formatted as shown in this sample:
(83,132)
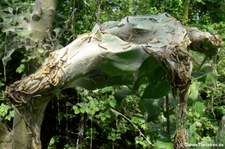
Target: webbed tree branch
(110,55)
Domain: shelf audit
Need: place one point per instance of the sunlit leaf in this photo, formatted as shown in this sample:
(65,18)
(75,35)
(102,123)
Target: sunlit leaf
(21,68)
(199,107)
(193,90)
(162,145)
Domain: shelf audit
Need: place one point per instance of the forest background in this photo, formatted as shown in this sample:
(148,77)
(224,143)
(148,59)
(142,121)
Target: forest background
(114,117)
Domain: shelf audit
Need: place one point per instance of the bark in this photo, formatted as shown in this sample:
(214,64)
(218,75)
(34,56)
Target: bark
(20,135)
(111,55)
(204,42)
(42,18)
(5,136)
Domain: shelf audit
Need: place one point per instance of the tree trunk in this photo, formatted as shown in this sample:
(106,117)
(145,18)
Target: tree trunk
(20,135)
(5,136)
(40,25)
(42,18)
(185,11)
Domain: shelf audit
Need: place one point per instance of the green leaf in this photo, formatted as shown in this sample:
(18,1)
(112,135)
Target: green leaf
(122,93)
(76,109)
(21,68)
(10,10)
(57,30)
(199,107)
(193,90)
(163,145)
(53,141)
(112,102)
(122,63)
(210,79)
(139,80)
(151,99)
(198,74)
(206,70)
(151,107)
(158,90)
(152,69)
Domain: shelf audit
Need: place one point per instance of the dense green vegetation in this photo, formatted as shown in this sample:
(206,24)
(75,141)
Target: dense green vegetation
(118,116)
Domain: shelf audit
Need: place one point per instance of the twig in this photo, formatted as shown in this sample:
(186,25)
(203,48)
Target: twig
(202,63)
(212,98)
(135,126)
(167,115)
